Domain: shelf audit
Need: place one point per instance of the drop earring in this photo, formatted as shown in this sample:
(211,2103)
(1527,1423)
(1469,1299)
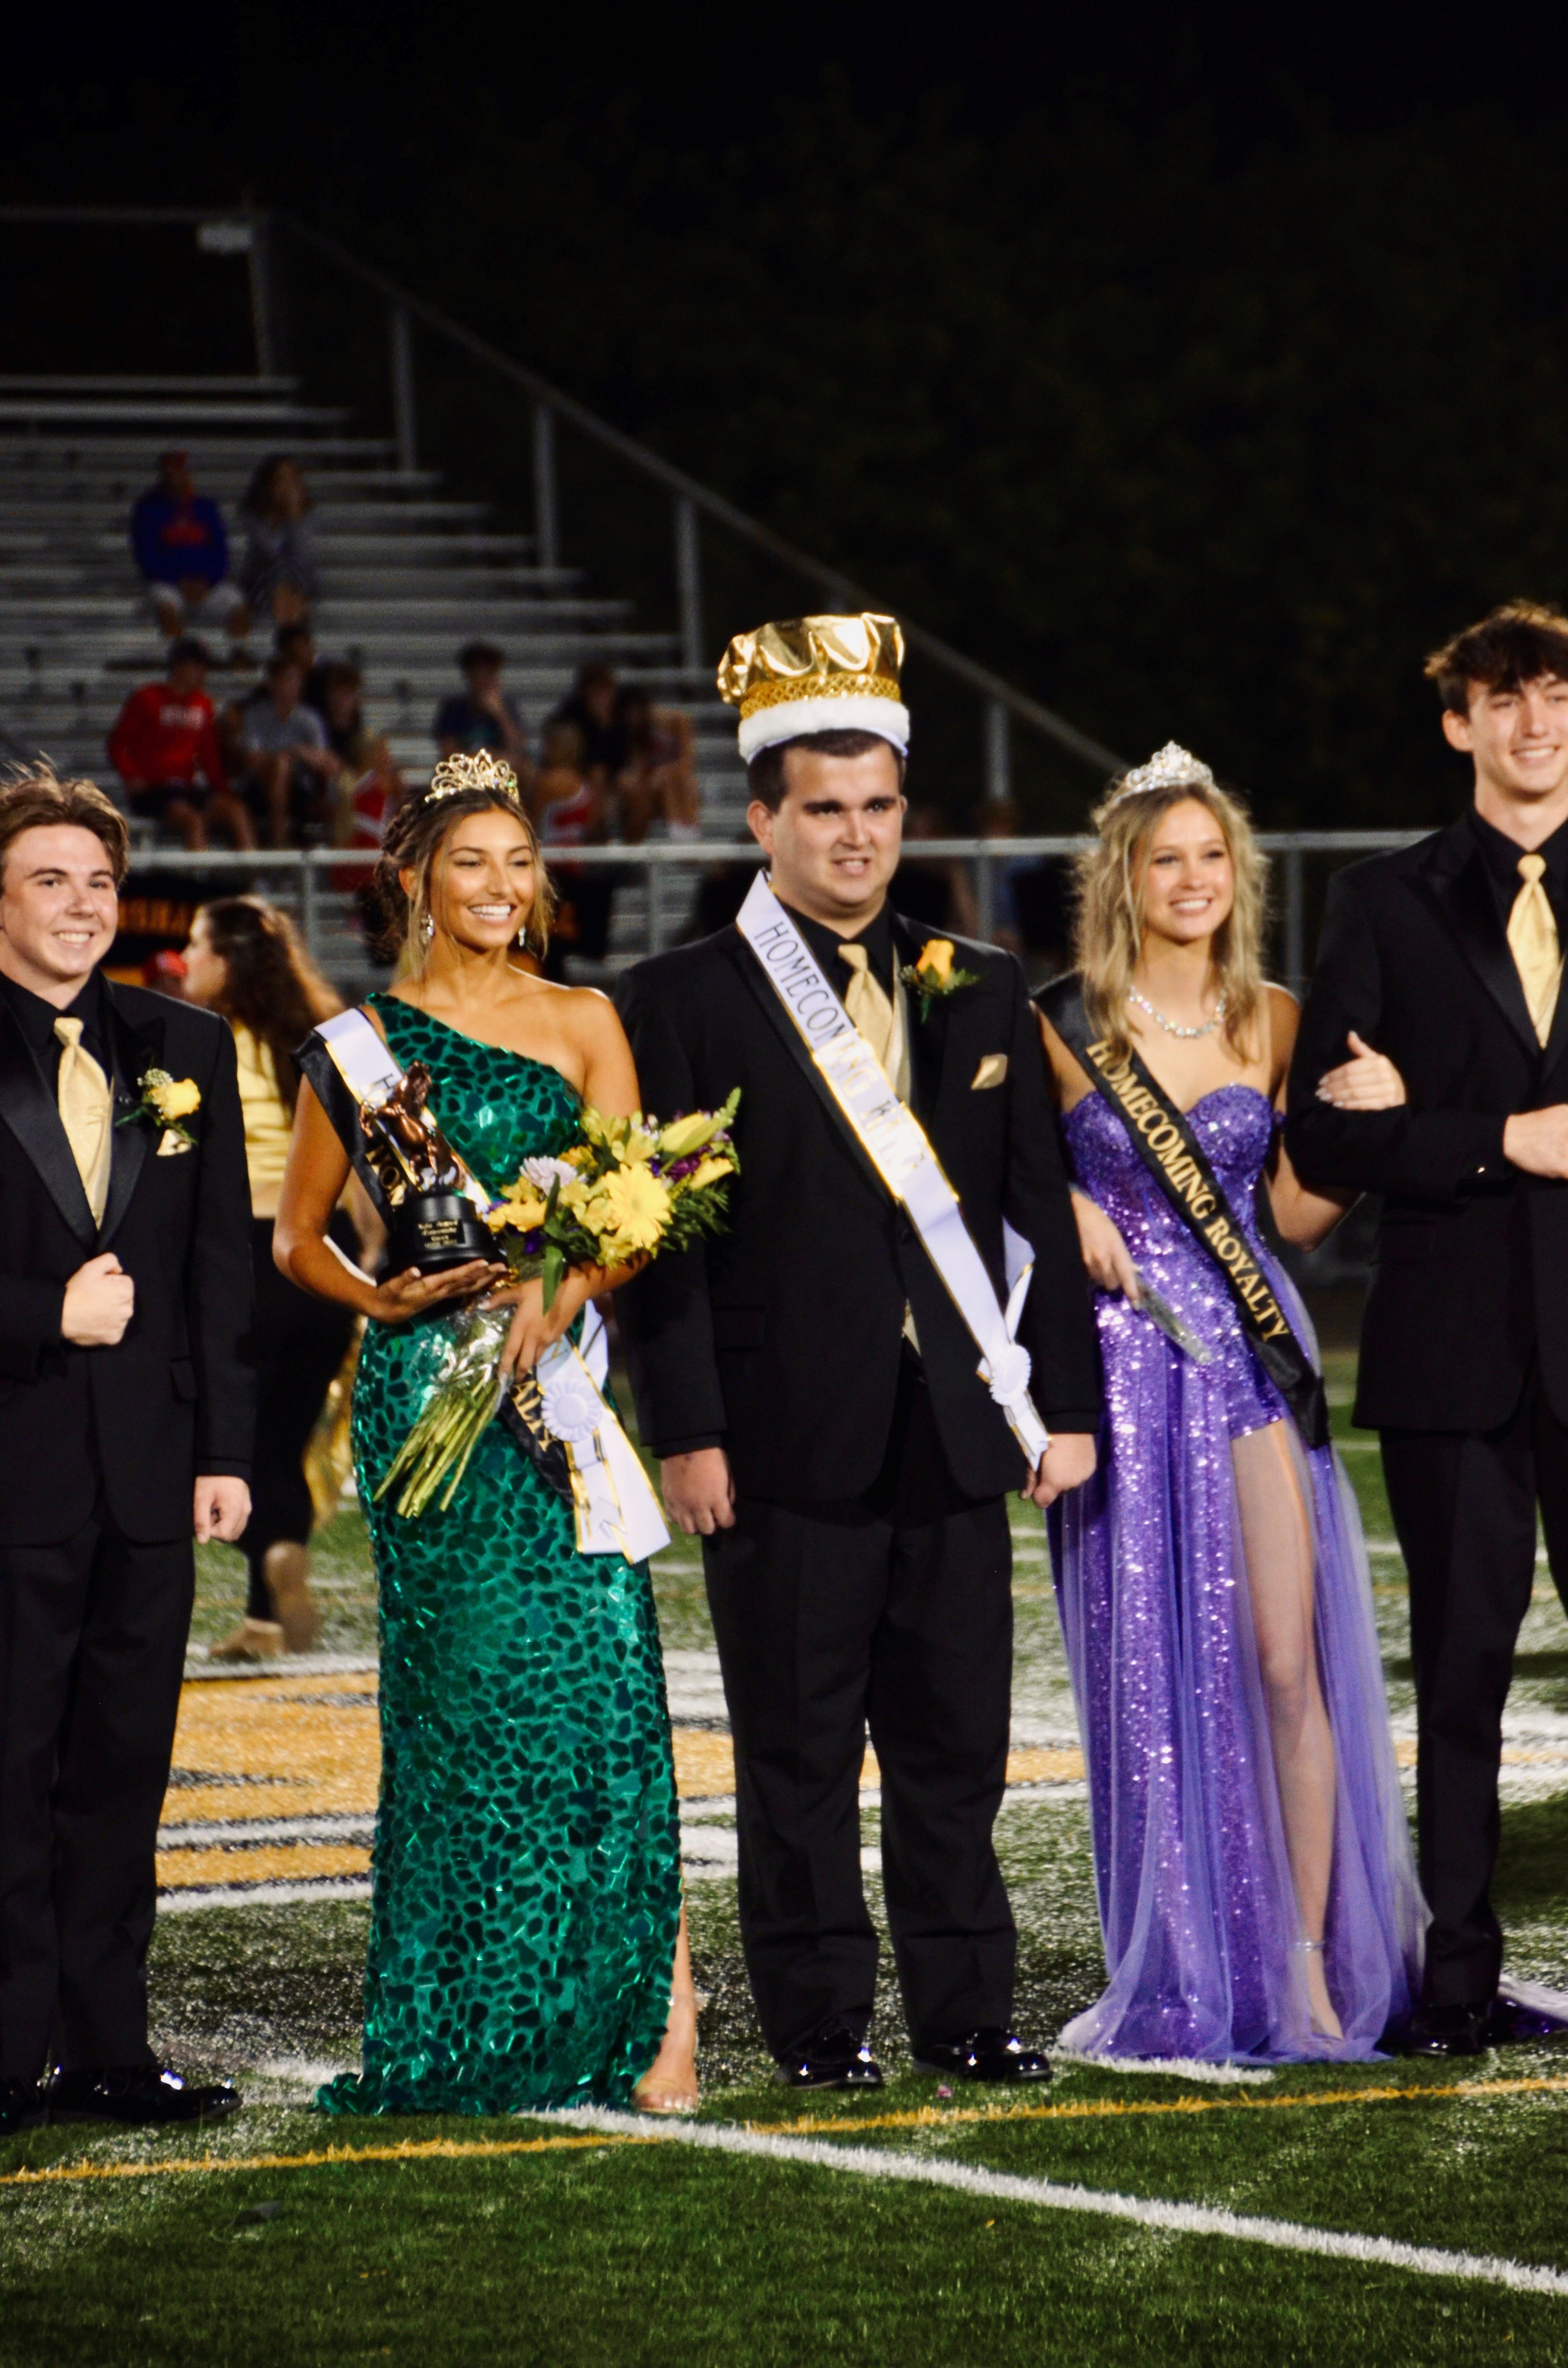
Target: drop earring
(427,928)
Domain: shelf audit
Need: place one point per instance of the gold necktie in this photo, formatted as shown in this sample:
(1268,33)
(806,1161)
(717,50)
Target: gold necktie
(1532,941)
(867,1003)
(85,1108)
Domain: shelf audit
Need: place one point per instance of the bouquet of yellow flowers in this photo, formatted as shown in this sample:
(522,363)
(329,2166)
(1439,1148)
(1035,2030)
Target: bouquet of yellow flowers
(627,1190)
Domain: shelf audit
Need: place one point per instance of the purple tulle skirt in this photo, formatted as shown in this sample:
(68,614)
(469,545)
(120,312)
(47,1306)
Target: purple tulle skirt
(1198,1905)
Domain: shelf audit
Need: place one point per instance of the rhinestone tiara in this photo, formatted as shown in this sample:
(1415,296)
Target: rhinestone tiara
(453,775)
(1167,767)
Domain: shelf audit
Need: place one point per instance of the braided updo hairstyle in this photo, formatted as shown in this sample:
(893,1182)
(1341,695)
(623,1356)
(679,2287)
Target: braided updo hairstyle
(416,836)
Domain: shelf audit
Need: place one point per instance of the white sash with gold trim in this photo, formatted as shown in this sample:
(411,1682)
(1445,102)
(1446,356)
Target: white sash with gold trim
(894,1142)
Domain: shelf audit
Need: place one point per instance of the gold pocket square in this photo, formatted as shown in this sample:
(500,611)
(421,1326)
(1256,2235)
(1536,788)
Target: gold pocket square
(171,1145)
(992,1069)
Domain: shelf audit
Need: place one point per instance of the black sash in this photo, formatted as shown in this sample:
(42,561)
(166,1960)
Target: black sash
(1170,1151)
(331,1088)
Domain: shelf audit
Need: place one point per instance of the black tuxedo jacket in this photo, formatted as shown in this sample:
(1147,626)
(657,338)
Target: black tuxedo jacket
(780,1339)
(175,1397)
(1471,1275)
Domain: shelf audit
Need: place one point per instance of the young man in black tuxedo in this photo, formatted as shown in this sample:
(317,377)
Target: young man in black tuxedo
(125,1424)
(812,1393)
(1447,956)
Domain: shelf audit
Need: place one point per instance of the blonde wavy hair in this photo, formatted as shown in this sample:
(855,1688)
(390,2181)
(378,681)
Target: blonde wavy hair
(1108,935)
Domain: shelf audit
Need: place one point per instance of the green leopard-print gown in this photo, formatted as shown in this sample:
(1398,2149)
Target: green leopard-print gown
(527,1883)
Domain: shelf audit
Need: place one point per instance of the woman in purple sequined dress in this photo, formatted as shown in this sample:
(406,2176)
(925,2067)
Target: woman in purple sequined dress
(1256,1889)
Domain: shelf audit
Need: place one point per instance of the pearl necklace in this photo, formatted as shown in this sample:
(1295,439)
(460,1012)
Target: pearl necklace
(1169,1025)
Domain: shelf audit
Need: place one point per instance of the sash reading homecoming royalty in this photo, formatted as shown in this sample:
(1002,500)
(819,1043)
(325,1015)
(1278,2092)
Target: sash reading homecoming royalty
(1171,1152)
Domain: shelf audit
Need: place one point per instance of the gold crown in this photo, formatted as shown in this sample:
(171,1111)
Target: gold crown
(816,674)
(812,658)
(453,775)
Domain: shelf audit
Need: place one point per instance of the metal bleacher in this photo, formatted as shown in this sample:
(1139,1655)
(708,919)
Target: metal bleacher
(407,574)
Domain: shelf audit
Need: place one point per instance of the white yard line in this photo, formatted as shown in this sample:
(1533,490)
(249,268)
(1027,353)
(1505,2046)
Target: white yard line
(186,1899)
(240,1833)
(1178,2219)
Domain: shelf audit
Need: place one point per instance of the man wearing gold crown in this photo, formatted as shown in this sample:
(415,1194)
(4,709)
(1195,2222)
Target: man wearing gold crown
(844,1387)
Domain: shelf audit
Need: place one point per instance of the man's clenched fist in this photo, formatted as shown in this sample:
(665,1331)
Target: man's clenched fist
(99,1301)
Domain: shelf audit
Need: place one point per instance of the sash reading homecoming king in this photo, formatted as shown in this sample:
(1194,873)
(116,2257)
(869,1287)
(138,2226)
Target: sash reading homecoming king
(894,1142)
(557,1413)
(1171,1152)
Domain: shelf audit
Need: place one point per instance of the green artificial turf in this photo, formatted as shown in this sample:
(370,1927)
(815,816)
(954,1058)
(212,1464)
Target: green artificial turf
(656,2254)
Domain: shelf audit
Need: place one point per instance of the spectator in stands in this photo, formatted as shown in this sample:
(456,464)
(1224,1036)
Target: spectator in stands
(935,890)
(289,768)
(590,711)
(279,571)
(483,716)
(298,641)
(165,738)
(180,547)
(569,811)
(368,786)
(656,777)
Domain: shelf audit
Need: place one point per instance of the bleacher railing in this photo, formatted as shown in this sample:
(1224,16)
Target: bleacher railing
(257,235)
(303,879)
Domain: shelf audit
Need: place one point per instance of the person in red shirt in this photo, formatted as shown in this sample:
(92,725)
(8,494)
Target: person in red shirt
(163,738)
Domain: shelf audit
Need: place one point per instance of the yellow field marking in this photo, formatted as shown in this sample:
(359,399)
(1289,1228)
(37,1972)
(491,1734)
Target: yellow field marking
(1113,2109)
(924,2117)
(304,1755)
(411,2150)
(291,1746)
(705,1765)
(266,1863)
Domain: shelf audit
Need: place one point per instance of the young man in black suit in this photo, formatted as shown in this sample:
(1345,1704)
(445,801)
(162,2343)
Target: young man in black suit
(812,1392)
(1447,956)
(125,1423)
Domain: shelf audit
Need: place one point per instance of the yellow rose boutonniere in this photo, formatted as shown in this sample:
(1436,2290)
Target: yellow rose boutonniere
(166,1102)
(932,976)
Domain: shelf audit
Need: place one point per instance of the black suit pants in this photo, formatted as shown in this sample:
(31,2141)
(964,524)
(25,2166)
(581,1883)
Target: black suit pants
(1464,1510)
(894,1614)
(92,1644)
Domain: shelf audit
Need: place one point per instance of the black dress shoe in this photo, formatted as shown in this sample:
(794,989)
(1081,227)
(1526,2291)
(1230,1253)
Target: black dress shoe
(145,2093)
(1450,2031)
(989,2055)
(834,2058)
(21,2106)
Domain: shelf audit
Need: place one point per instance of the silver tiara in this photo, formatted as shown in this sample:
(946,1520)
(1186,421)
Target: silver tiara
(1165,770)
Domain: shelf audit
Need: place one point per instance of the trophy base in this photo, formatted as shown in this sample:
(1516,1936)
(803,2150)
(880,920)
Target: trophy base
(436,1231)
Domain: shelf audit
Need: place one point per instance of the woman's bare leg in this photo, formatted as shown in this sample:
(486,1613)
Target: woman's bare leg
(1278,1542)
(669,2085)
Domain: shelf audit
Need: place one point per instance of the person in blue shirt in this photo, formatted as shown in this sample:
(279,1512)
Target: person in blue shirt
(180,546)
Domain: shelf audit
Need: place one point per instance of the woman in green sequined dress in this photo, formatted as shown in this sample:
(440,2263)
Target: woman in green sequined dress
(528,1944)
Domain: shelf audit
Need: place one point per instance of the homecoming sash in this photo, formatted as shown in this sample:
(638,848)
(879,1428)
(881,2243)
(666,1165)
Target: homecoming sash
(557,1412)
(353,1073)
(894,1142)
(1169,1149)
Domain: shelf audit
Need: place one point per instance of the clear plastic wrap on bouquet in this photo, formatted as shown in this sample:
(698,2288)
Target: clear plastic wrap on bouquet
(459,1406)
